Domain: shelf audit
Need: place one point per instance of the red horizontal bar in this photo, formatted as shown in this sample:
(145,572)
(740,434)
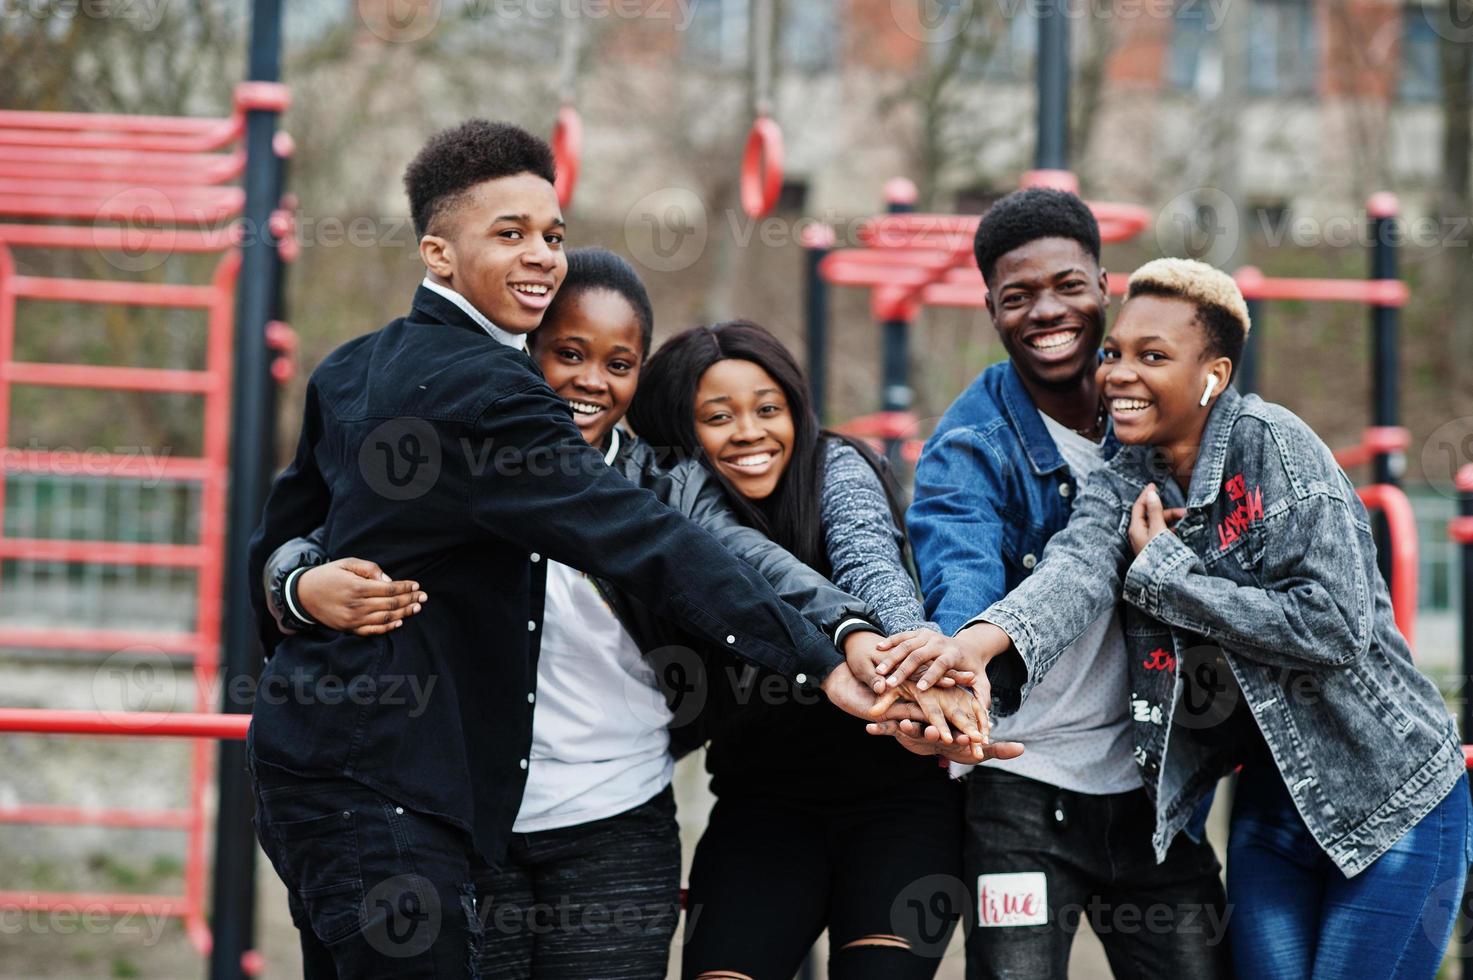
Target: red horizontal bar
(113,293)
(76,816)
(100,121)
(174,724)
(168,906)
(129,239)
(52,638)
(1375,441)
(97,137)
(161,380)
(225,205)
(1377,292)
(104,552)
(1460,530)
(96,186)
(67,463)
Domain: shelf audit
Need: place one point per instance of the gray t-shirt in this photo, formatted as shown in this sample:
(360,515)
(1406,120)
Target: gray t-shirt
(1075,725)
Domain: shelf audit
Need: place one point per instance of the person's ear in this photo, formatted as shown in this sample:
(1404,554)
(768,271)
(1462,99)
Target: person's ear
(987,298)
(1215,380)
(438,255)
(1104,284)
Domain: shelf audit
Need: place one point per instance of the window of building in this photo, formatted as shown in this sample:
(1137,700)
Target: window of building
(717,34)
(1421,59)
(808,34)
(1283,47)
(1195,51)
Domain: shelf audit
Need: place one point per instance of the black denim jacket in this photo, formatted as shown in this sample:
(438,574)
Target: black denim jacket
(1272,572)
(689,488)
(440,453)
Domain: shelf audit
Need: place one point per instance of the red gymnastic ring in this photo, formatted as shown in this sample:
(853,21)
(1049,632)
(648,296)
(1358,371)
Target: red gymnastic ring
(762,167)
(567,152)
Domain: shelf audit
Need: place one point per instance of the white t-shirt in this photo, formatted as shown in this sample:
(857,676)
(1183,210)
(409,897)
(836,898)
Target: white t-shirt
(599,741)
(1075,724)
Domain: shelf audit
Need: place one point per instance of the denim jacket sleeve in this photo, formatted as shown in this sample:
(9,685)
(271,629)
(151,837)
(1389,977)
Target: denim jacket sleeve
(865,547)
(955,528)
(1315,606)
(821,602)
(1076,581)
(303,552)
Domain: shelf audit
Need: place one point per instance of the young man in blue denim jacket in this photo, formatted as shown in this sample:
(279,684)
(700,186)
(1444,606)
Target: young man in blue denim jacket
(1064,832)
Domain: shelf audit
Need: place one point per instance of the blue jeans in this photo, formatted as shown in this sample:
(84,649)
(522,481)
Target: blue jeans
(1295,915)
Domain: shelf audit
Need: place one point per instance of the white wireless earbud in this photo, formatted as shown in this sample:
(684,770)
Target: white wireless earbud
(1208,389)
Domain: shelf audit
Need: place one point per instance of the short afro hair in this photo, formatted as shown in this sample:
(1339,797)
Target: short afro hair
(1028,215)
(1221,310)
(455,160)
(598,268)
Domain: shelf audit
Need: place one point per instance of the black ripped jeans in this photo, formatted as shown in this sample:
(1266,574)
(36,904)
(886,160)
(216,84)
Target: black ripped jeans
(770,874)
(375,889)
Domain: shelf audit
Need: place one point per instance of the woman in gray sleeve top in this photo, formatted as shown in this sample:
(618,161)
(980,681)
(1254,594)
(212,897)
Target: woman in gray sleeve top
(804,835)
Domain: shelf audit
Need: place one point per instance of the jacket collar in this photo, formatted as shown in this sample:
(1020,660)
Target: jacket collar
(1043,452)
(441,304)
(1212,456)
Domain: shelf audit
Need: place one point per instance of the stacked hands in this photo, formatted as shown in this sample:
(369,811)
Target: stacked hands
(926,689)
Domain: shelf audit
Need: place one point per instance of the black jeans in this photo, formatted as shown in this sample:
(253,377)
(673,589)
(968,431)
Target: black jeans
(1095,857)
(599,899)
(375,889)
(769,875)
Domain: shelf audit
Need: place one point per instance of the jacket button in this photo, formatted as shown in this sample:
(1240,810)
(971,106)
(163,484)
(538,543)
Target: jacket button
(1029,561)
(730,638)
(1064,490)
(523,763)
(531,625)
(531,697)
(801,678)
(536,557)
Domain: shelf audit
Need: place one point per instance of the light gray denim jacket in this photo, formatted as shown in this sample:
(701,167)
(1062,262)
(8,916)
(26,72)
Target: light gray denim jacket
(1273,570)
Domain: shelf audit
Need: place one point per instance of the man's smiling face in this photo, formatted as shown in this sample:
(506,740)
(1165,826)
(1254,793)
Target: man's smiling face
(1047,299)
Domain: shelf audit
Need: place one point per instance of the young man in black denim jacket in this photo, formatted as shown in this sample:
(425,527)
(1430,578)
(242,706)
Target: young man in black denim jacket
(1064,832)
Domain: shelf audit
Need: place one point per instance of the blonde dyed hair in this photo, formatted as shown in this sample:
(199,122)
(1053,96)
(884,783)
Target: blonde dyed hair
(1193,281)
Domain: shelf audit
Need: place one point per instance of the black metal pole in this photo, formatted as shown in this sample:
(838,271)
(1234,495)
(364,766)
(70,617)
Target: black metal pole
(233,905)
(1248,370)
(1385,366)
(900,197)
(818,240)
(1462,532)
(1052,149)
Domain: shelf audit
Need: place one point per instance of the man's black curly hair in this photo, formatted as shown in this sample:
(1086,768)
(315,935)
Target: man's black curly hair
(455,160)
(1028,215)
(598,268)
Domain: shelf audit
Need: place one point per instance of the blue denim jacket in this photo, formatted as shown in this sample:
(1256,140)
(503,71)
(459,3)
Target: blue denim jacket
(991,489)
(1273,570)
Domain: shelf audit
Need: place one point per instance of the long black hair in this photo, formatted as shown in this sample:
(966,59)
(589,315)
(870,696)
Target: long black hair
(663,413)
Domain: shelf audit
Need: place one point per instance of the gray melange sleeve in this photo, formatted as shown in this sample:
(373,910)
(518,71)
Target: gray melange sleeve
(863,541)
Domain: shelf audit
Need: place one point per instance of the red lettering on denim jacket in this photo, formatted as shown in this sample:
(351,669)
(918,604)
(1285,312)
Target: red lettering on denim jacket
(1249,509)
(1160,660)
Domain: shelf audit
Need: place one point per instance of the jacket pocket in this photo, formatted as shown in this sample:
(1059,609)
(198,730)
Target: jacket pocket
(1373,688)
(321,855)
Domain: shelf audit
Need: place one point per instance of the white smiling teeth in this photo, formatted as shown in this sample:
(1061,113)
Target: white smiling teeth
(1128,404)
(530,289)
(1050,341)
(756,459)
(585,408)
